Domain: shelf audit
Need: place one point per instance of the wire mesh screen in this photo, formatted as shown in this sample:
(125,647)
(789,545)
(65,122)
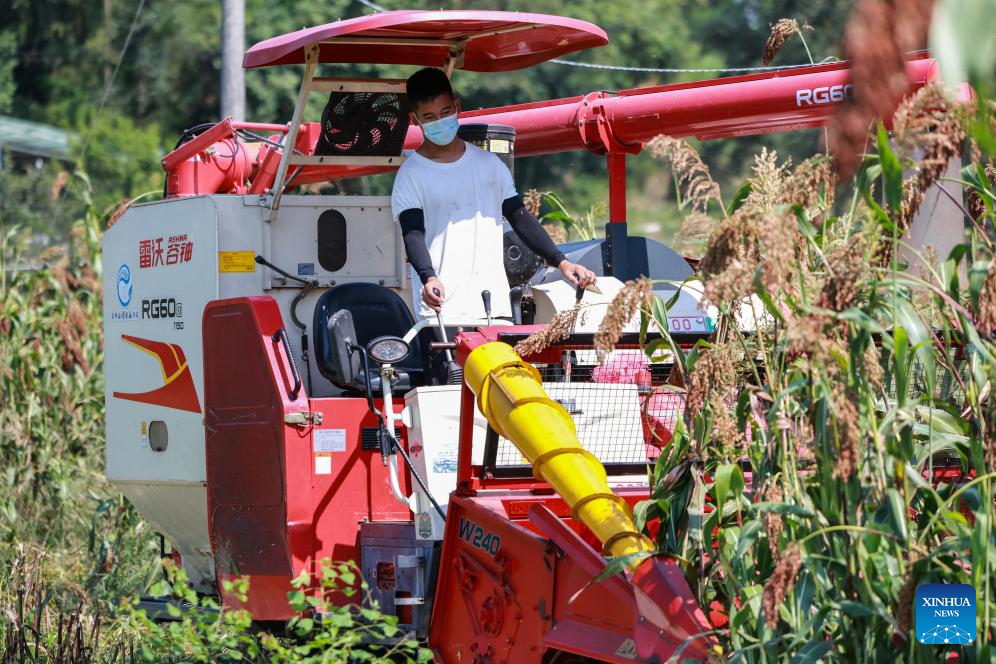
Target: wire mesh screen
(622,412)
(947,387)
(625,413)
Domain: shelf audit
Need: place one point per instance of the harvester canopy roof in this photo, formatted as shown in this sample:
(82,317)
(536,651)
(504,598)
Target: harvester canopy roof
(484,41)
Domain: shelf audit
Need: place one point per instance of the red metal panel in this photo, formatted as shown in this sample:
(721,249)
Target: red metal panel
(734,106)
(516,601)
(616,162)
(493,602)
(198,144)
(244,407)
(493,40)
(272,512)
(331,506)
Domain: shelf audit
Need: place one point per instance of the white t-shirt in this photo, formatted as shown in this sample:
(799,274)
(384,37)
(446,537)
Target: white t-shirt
(461,202)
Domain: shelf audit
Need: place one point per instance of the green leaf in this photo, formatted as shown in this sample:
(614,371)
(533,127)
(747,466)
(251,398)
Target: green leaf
(729,479)
(907,318)
(941,421)
(961,38)
(296,600)
(892,172)
(782,508)
(855,609)
(341,618)
(740,197)
(304,626)
(640,513)
(805,226)
(766,299)
(301,580)
(814,651)
(897,508)
(617,564)
(748,535)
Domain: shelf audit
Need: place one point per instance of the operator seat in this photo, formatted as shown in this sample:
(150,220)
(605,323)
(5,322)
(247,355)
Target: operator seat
(376,311)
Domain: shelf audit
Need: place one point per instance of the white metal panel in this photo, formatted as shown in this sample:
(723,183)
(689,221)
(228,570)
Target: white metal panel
(178,511)
(375,250)
(142,379)
(433,443)
(241,230)
(169,253)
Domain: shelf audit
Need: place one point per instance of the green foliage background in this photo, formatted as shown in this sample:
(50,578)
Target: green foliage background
(57,57)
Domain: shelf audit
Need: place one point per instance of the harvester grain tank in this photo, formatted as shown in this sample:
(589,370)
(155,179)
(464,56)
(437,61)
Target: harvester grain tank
(271,399)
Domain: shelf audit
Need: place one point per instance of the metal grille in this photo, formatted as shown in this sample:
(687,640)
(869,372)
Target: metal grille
(624,413)
(369,439)
(946,387)
(621,412)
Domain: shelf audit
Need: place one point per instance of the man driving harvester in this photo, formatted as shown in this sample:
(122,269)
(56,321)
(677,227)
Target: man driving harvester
(449,197)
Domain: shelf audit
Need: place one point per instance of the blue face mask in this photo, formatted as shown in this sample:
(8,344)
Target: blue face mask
(441,131)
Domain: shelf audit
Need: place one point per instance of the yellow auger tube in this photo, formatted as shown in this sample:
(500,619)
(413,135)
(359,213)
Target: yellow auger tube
(510,395)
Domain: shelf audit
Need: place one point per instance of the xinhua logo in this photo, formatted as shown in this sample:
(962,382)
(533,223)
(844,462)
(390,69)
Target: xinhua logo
(945,613)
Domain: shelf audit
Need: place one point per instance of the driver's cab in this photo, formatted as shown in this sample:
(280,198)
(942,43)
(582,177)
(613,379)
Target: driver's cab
(344,256)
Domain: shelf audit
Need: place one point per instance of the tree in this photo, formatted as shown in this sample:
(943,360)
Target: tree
(65,52)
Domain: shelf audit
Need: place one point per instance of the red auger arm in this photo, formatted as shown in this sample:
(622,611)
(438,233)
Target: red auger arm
(602,122)
(623,122)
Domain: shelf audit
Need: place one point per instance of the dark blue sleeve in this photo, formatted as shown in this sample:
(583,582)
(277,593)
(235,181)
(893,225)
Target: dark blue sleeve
(527,227)
(413,233)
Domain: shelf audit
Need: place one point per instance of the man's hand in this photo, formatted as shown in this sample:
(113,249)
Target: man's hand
(429,296)
(576,275)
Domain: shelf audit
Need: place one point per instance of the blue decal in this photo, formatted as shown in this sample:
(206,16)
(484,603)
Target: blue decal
(306,269)
(124,285)
(945,613)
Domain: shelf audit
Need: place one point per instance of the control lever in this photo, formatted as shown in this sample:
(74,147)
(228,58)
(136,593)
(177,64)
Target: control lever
(442,330)
(486,296)
(454,372)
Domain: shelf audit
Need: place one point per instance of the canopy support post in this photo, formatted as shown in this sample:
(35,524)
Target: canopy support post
(311,60)
(616,237)
(616,162)
(454,58)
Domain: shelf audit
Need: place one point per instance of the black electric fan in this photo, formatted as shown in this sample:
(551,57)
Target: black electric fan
(364,124)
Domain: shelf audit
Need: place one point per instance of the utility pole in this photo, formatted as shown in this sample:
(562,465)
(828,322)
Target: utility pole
(233,44)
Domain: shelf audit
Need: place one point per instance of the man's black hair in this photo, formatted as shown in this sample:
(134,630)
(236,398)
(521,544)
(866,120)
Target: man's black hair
(427,84)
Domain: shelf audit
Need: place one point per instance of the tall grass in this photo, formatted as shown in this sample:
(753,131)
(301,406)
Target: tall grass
(74,553)
(70,545)
(799,489)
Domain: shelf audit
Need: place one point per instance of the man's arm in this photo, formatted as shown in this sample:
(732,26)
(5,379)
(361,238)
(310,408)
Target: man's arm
(527,227)
(413,233)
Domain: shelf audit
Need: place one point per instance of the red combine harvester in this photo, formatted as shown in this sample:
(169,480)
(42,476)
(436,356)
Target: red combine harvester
(259,452)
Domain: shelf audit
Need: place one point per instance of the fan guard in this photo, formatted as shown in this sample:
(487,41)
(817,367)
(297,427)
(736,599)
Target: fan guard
(370,124)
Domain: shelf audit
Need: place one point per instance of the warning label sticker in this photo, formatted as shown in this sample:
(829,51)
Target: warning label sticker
(323,464)
(236,261)
(329,440)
